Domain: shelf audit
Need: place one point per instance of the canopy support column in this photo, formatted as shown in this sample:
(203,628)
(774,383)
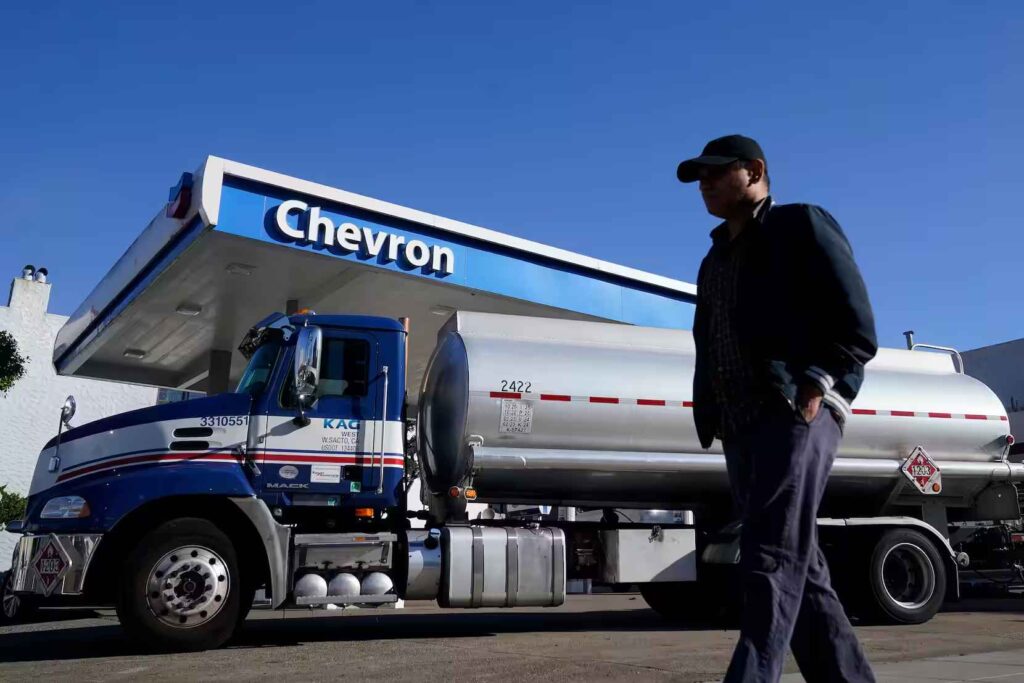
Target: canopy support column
(219,379)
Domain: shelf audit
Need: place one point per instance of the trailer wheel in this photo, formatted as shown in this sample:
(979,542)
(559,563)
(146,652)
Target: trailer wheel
(907,578)
(181,587)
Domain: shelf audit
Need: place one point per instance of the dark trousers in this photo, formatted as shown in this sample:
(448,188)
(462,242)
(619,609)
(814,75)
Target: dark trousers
(778,469)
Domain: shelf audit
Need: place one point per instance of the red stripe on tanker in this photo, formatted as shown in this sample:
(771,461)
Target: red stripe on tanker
(661,403)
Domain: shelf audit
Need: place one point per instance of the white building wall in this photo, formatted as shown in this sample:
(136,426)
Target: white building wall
(30,411)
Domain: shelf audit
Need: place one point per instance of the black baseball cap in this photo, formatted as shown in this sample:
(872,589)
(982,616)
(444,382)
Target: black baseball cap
(719,152)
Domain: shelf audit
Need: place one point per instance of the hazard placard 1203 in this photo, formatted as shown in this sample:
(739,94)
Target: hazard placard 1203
(923,472)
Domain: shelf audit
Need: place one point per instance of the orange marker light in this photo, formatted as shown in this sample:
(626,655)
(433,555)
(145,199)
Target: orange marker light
(936,488)
(470,494)
(364,512)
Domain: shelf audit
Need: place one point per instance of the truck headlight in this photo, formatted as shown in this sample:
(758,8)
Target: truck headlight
(65,507)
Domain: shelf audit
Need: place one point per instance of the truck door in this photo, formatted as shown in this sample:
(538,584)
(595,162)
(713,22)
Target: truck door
(333,461)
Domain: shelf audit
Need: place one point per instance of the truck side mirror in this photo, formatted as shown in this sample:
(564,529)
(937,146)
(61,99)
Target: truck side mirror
(67,411)
(308,346)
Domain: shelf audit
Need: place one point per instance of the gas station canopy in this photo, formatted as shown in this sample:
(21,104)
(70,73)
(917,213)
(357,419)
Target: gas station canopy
(236,242)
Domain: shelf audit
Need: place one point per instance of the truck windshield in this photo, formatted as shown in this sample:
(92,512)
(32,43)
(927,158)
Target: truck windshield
(257,373)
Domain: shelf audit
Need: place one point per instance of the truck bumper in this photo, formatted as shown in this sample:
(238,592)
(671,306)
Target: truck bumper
(52,564)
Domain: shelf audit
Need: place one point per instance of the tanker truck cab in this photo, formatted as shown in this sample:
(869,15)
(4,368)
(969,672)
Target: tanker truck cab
(177,513)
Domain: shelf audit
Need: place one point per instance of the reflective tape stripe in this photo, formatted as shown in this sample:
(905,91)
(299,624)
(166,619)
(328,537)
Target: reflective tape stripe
(151,459)
(506,394)
(271,458)
(665,403)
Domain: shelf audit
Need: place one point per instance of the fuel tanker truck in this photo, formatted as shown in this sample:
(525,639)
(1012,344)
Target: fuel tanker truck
(301,482)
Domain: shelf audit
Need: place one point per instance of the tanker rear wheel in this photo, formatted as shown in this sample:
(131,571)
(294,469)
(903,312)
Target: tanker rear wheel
(906,582)
(690,602)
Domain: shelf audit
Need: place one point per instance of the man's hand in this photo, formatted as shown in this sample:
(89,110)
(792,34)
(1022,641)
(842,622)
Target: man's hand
(808,401)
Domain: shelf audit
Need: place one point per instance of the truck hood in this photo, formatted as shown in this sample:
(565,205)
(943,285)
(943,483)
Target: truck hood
(143,436)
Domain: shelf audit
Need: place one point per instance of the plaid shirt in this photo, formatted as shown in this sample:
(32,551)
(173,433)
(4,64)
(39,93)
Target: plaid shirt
(737,392)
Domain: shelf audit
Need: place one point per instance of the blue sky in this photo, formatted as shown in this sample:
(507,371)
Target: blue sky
(558,122)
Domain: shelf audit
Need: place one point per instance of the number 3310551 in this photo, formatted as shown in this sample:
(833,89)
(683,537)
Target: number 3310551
(223,420)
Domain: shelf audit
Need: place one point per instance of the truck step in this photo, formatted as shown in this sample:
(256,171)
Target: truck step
(349,550)
(347,600)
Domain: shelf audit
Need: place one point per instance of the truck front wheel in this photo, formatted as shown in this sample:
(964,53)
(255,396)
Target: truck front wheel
(181,587)
(15,608)
(907,578)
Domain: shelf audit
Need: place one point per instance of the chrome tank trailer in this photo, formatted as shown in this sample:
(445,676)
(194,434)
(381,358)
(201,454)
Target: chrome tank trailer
(537,410)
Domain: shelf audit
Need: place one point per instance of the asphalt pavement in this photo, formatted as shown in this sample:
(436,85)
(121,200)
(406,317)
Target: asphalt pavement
(592,638)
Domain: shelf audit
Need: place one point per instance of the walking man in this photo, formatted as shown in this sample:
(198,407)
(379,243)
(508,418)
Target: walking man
(783,328)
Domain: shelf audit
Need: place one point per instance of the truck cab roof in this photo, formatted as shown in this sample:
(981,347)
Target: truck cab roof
(363,322)
(257,334)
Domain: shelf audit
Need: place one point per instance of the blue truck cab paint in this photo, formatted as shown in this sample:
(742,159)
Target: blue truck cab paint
(119,463)
(247,443)
(349,454)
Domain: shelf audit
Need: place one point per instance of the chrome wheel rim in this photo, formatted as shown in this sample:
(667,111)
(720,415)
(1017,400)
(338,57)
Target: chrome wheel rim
(188,586)
(908,577)
(11,602)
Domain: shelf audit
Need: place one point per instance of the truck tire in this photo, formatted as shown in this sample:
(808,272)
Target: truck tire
(181,587)
(14,609)
(689,602)
(245,600)
(906,577)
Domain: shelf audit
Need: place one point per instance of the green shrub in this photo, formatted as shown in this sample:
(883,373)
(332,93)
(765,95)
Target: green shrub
(12,363)
(12,505)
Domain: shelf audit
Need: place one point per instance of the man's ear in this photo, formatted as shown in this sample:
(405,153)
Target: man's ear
(756,170)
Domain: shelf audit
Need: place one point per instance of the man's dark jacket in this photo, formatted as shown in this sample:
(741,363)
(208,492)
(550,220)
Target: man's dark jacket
(802,312)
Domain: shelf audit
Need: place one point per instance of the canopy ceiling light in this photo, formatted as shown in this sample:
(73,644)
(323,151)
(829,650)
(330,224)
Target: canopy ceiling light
(189,309)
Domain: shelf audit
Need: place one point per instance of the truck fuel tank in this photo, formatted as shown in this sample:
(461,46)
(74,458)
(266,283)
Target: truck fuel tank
(502,567)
